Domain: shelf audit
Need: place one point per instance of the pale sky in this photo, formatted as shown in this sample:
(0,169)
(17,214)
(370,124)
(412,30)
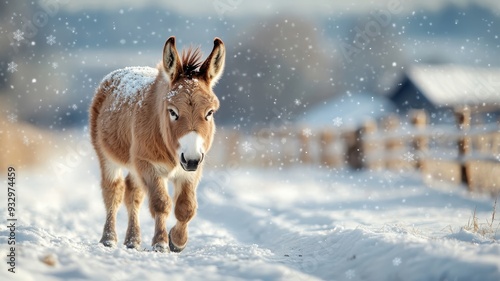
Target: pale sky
(235,8)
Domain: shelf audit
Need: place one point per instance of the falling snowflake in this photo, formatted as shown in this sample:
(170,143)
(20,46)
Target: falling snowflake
(408,156)
(26,141)
(337,121)
(18,35)
(55,65)
(51,40)
(247,146)
(396,261)
(12,67)
(307,132)
(391,176)
(350,274)
(297,102)
(74,107)
(12,118)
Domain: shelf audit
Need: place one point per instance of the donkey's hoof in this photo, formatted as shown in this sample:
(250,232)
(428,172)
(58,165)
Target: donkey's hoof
(109,243)
(161,247)
(133,245)
(174,248)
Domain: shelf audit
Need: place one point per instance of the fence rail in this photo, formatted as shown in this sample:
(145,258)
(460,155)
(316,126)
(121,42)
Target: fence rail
(461,153)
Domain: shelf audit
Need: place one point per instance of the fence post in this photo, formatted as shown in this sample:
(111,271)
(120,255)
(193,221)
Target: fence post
(305,156)
(393,144)
(326,141)
(463,118)
(352,156)
(360,146)
(371,156)
(420,142)
(495,143)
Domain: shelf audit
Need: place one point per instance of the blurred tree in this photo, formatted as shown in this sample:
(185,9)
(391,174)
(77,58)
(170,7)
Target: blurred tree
(372,52)
(276,66)
(32,87)
(10,48)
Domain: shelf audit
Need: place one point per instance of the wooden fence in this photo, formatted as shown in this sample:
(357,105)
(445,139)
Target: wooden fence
(466,152)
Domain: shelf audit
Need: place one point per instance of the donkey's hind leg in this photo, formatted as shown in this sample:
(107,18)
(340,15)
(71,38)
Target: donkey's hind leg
(134,195)
(113,187)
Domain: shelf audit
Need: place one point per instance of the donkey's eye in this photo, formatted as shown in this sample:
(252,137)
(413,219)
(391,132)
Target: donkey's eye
(173,114)
(209,115)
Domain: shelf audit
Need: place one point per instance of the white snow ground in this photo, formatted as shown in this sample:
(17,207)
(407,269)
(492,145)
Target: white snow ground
(256,224)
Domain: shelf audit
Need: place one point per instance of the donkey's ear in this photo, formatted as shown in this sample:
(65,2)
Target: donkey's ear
(171,61)
(211,70)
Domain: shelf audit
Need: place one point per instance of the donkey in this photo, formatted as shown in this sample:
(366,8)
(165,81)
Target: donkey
(158,124)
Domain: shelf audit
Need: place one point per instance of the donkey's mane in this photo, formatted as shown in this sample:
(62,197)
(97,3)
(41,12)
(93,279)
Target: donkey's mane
(191,61)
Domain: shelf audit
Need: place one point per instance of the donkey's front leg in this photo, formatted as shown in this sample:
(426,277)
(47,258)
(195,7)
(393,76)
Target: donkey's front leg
(160,204)
(134,195)
(185,209)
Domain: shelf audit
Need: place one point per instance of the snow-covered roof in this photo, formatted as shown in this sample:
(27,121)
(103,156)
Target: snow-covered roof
(350,109)
(454,85)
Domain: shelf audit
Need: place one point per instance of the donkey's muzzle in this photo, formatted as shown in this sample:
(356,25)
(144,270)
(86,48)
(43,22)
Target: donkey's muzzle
(190,164)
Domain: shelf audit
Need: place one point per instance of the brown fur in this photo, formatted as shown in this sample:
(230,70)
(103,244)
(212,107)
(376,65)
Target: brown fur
(138,133)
